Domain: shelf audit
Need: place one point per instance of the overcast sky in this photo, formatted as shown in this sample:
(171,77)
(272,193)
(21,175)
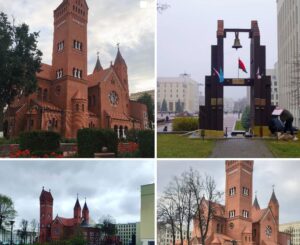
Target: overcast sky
(110,22)
(111,187)
(283,174)
(187,30)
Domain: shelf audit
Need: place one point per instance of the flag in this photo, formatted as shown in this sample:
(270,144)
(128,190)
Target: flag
(242,66)
(220,74)
(258,75)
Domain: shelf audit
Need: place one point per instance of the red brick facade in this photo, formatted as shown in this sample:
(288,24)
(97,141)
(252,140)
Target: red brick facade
(68,98)
(240,221)
(61,228)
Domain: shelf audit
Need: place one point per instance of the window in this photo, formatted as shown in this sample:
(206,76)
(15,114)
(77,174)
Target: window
(231,213)
(82,107)
(245,191)
(77,73)
(245,214)
(59,73)
(77,45)
(60,46)
(232,191)
(77,107)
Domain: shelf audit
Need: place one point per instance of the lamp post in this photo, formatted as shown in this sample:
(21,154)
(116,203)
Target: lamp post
(2,217)
(11,231)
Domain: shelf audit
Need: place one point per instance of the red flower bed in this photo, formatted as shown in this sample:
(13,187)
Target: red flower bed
(129,147)
(27,154)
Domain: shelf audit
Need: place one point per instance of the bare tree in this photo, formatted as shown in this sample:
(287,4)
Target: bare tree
(24,231)
(290,230)
(162,7)
(206,197)
(166,214)
(33,226)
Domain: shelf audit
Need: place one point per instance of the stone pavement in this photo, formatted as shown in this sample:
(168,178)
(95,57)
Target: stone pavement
(241,148)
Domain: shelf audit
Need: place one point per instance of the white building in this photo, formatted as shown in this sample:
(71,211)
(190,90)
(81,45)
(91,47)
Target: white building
(174,89)
(228,105)
(274,85)
(294,230)
(164,235)
(288,54)
(125,232)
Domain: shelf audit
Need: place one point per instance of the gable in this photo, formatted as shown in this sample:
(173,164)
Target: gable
(268,216)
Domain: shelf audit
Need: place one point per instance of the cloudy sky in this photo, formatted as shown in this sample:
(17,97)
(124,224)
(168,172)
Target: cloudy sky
(187,30)
(127,22)
(111,187)
(283,174)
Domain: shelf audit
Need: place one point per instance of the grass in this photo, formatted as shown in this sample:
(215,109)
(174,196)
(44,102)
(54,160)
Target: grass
(238,125)
(284,149)
(176,146)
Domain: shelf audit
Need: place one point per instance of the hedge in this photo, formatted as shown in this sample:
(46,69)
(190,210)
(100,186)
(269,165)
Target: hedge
(146,143)
(185,123)
(91,140)
(41,142)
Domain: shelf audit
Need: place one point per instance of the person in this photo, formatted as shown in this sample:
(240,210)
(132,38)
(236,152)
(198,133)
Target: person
(288,119)
(166,129)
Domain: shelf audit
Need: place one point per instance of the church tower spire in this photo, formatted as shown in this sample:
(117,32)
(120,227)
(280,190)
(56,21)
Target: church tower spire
(85,214)
(120,68)
(255,203)
(77,211)
(98,66)
(274,206)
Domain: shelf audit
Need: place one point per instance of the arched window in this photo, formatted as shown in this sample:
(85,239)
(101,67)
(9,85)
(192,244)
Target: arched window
(82,107)
(77,107)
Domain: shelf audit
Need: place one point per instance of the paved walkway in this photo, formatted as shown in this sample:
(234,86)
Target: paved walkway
(241,148)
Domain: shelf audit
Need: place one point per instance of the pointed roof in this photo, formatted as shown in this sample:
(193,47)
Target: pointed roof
(98,66)
(255,203)
(273,198)
(216,241)
(77,204)
(85,207)
(119,59)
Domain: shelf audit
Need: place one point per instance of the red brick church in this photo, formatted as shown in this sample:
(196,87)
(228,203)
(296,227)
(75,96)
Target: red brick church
(240,221)
(61,228)
(68,98)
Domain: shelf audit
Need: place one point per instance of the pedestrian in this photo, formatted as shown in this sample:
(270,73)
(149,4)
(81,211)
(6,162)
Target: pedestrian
(287,118)
(166,129)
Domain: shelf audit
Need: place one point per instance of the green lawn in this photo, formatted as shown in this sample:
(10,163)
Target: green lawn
(284,149)
(238,125)
(176,146)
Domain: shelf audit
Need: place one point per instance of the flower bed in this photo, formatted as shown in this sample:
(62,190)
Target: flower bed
(28,154)
(128,147)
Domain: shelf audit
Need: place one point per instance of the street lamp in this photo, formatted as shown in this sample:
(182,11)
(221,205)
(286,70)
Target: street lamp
(11,231)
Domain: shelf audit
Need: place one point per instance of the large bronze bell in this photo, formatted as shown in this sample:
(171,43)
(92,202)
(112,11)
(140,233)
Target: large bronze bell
(237,43)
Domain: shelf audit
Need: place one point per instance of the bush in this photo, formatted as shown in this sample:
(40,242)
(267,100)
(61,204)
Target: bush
(40,141)
(146,143)
(246,118)
(91,140)
(185,124)
(132,135)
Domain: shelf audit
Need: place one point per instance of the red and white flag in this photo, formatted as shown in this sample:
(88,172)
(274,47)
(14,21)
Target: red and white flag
(242,66)
(258,75)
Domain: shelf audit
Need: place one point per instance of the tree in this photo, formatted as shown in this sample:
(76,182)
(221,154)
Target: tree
(108,226)
(166,215)
(7,210)
(20,60)
(178,107)
(23,231)
(246,120)
(206,199)
(33,226)
(290,230)
(162,7)
(147,100)
(164,107)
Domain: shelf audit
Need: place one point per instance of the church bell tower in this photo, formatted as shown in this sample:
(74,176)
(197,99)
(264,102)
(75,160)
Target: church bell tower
(238,202)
